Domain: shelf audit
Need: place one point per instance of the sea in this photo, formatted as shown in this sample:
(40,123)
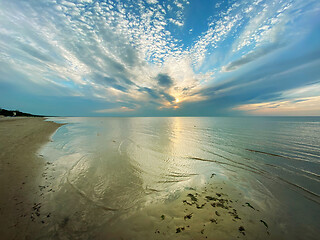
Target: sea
(103,168)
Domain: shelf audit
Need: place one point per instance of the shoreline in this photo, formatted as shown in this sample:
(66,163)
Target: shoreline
(21,172)
(71,199)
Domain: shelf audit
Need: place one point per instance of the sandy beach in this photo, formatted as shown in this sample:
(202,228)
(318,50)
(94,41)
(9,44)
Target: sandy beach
(29,210)
(20,173)
(94,183)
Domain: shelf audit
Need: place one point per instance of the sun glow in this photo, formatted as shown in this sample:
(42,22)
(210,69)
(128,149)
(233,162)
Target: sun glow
(177,100)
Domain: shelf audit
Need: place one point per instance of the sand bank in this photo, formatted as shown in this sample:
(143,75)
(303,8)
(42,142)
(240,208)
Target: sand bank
(20,173)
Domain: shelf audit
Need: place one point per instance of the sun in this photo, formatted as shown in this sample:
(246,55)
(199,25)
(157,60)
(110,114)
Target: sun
(177,100)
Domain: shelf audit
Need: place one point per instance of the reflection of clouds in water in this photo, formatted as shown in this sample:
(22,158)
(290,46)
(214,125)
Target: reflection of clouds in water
(136,161)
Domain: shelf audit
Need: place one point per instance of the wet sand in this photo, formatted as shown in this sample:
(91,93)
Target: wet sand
(48,200)
(214,211)
(20,174)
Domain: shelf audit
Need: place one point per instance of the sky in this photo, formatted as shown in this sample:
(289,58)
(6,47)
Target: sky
(160,58)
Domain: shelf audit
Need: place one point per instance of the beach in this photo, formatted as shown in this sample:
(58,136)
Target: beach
(20,174)
(153,178)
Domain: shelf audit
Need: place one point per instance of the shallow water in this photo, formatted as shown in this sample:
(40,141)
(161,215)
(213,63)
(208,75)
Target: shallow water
(116,166)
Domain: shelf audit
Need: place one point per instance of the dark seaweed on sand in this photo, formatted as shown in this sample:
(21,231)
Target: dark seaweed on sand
(249,205)
(264,223)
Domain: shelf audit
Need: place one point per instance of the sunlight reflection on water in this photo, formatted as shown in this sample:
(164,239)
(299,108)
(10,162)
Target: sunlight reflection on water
(124,163)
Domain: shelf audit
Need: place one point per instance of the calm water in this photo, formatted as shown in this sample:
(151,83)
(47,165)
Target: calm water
(117,164)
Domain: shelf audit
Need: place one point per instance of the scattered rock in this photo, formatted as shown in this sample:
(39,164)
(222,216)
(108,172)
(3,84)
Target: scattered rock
(200,206)
(213,220)
(179,229)
(188,216)
(234,214)
(185,201)
(217,213)
(162,217)
(211,198)
(241,229)
(193,198)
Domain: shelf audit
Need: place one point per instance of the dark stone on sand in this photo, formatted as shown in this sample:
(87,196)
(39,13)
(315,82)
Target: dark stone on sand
(188,216)
(202,231)
(200,206)
(193,198)
(218,194)
(162,217)
(217,213)
(235,214)
(221,205)
(211,198)
(213,220)
(241,229)
(179,229)
(185,201)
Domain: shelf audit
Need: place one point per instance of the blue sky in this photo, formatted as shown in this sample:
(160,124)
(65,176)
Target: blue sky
(160,58)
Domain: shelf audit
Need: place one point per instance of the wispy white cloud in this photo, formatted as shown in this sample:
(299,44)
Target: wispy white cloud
(293,107)
(115,50)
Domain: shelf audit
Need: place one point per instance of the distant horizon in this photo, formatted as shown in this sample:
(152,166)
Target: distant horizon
(160,57)
(257,116)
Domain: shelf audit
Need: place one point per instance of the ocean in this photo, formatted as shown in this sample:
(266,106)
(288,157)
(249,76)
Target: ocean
(105,170)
